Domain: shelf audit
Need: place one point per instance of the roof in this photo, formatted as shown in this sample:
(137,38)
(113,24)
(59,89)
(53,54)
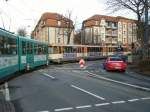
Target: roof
(107,18)
(99,17)
(55,16)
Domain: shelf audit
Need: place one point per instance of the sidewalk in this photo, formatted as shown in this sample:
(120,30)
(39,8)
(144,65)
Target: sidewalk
(5,106)
(134,68)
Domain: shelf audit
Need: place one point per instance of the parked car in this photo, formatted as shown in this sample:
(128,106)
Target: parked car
(115,63)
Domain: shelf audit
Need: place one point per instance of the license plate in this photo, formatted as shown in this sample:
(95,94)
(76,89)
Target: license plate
(117,67)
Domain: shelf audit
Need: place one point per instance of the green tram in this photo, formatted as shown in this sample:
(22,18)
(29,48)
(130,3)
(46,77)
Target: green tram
(19,53)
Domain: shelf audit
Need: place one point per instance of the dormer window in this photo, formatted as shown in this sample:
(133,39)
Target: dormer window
(96,23)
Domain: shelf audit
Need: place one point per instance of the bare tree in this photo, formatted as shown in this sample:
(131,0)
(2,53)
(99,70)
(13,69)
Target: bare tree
(136,6)
(67,23)
(22,31)
(77,38)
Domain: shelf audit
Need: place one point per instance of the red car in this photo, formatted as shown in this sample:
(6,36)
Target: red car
(115,63)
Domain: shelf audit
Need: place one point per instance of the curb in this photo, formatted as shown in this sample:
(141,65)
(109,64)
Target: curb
(138,72)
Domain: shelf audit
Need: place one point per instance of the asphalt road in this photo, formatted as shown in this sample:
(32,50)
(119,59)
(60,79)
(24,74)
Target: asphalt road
(67,88)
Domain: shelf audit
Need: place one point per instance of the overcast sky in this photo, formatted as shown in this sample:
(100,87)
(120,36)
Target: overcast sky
(26,13)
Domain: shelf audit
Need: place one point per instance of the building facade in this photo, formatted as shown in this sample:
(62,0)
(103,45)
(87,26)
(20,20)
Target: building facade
(54,29)
(107,30)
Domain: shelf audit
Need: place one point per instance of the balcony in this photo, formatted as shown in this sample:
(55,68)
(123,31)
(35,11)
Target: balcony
(114,40)
(114,34)
(108,34)
(114,27)
(108,40)
(108,26)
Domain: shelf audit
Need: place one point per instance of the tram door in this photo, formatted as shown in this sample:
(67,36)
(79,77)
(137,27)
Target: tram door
(29,56)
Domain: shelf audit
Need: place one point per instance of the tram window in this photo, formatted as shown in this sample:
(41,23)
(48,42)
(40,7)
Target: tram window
(56,50)
(36,49)
(66,50)
(79,50)
(8,46)
(1,45)
(24,48)
(29,48)
(74,50)
(45,49)
(59,49)
(39,49)
(12,46)
(50,50)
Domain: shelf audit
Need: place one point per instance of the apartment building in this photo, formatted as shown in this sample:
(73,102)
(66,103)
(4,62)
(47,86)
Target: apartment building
(108,30)
(54,29)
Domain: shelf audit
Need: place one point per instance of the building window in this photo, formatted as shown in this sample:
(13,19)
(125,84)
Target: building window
(109,23)
(58,40)
(124,40)
(124,26)
(59,23)
(124,32)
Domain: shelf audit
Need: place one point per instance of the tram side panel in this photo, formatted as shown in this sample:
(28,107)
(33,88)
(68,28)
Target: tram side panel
(40,54)
(8,54)
(32,54)
(55,54)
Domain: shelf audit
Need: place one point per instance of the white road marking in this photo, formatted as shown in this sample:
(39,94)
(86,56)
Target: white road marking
(75,71)
(117,102)
(48,75)
(63,109)
(133,100)
(7,95)
(88,92)
(102,104)
(44,111)
(85,106)
(146,98)
(119,82)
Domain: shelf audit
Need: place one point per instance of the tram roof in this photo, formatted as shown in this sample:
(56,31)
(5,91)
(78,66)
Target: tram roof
(7,33)
(31,40)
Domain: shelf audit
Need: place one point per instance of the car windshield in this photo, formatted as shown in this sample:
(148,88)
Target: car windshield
(115,59)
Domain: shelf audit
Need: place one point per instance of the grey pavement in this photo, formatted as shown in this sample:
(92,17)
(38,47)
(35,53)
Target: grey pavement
(67,88)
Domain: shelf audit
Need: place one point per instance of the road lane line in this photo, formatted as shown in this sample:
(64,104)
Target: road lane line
(133,100)
(146,98)
(88,92)
(63,109)
(48,75)
(118,102)
(44,111)
(102,104)
(119,82)
(85,106)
